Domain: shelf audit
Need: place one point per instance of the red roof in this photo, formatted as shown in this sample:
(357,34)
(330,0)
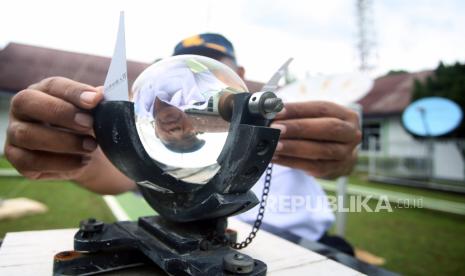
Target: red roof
(22,65)
(391,94)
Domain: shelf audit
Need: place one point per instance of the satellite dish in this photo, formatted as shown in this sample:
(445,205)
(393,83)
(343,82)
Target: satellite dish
(343,89)
(432,117)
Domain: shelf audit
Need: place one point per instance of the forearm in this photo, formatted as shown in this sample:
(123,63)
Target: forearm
(102,177)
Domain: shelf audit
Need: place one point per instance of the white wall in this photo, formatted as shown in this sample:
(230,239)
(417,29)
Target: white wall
(448,162)
(399,143)
(4,108)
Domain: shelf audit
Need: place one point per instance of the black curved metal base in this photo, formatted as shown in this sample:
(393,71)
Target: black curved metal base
(198,248)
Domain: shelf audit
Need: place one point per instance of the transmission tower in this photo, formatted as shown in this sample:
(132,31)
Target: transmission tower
(365,35)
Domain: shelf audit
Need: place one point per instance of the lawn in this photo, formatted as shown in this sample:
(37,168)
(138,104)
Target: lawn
(4,164)
(67,203)
(413,241)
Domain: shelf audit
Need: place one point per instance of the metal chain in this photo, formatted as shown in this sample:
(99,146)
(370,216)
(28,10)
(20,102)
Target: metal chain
(261,212)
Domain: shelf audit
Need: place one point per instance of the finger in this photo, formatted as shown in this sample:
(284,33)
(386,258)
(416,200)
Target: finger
(39,137)
(313,150)
(68,175)
(34,105)
(323,129)
(79,94)
(320,168)
(45,175)
(28,161)
(316,109)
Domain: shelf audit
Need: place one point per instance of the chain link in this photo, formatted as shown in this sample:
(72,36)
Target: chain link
(261,212)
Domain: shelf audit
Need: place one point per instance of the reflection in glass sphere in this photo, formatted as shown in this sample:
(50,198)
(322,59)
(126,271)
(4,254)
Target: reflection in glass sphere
(177,116)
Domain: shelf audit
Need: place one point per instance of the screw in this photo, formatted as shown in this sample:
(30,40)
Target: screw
(91,225)
(273,105)
(238,263)
(238,256)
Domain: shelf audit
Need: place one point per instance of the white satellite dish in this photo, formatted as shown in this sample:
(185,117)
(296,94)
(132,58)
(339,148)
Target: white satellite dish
(343,89)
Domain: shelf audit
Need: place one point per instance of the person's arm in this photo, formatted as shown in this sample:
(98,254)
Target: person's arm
(50,136)
(318,137)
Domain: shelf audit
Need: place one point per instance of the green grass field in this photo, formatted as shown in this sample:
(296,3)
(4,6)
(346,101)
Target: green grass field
(4,164)
(413,241)
(67,203)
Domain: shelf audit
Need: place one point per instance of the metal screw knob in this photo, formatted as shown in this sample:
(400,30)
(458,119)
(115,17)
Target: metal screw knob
(238,263)
(273,105)
(265,104)
(91,225)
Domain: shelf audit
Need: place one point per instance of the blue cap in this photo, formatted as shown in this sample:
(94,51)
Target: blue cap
(210,45)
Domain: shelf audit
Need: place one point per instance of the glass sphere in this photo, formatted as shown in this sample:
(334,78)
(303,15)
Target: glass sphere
(176,102)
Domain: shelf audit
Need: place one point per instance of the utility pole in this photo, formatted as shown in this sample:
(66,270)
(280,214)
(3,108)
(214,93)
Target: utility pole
(365,48)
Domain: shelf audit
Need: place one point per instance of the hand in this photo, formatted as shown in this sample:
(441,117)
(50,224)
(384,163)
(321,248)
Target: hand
(50,134)
(317,137)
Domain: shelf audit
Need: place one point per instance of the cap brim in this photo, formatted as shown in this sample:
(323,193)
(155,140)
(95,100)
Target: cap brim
(203,51)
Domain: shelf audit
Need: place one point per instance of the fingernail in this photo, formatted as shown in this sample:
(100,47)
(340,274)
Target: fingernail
(84,119)
(279,146)
(89,144)
(88,97)
(281,127)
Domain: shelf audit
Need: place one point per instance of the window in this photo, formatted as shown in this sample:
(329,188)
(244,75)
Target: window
(371,130)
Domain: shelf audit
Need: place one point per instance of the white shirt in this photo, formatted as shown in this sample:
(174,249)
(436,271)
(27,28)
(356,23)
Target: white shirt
(177,84)
(296,203)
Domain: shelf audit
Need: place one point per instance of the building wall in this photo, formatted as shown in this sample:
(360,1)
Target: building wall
(400,143)
(395,142)
(4,109)
(448,161)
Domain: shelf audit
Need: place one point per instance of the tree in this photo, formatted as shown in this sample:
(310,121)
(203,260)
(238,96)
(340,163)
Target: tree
(396,72)
(448,81)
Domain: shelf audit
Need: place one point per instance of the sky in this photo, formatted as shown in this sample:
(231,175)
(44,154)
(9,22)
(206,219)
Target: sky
(321,35)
